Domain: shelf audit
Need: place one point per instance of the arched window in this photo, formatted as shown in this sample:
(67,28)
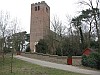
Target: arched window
(35,8)
(38,7)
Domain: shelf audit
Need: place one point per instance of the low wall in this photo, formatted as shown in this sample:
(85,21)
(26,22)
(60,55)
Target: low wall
(76,60)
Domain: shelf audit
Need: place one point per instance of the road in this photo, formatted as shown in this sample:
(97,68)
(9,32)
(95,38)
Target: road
(58,66)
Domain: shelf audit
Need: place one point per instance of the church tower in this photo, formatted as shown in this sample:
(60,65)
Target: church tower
(40,23)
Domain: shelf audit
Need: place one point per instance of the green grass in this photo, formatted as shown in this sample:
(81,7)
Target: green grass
(24,68)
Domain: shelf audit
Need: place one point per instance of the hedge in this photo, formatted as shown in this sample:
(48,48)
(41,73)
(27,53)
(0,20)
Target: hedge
(93,60)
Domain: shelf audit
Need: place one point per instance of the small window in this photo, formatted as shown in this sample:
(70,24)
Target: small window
(38,7)
(35,8)
(46,9)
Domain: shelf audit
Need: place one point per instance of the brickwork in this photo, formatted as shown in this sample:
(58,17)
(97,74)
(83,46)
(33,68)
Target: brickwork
(40,23)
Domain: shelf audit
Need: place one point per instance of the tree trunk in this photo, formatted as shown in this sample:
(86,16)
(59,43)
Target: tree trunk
(82,38)
(97,30)
(11,62)
(89,35)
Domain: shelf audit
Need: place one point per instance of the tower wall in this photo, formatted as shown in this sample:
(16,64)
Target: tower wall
(40,23)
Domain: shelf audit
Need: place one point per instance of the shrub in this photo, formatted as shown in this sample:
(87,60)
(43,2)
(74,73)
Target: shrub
(58,51)
(7,50)
(84,60)
(28,49)
(42,47)
(93,60)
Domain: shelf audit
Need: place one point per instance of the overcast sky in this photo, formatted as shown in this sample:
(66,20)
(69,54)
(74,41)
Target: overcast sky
(22,8)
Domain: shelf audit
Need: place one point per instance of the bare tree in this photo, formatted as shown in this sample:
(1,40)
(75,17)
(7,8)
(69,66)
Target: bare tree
(14,30)
(4,23)
(57,34)
(7,29)
(55,25)
(52,37)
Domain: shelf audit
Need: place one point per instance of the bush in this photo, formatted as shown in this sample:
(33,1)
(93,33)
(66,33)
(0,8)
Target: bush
(58,51)
(93,60)
(7,50)
(84,60)
(42,47)
(28,49)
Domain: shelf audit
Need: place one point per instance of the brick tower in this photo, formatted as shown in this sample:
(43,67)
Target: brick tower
(40,23)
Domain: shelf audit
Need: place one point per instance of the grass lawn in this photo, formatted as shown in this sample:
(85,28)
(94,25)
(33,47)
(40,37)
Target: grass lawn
(25,68)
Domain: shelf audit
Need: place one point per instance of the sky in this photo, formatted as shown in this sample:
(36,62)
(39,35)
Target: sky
(21,9)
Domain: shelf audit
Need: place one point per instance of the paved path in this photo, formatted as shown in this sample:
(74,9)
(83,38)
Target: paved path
(58,66)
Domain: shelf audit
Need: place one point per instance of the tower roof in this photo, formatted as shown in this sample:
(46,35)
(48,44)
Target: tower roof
(38,3)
